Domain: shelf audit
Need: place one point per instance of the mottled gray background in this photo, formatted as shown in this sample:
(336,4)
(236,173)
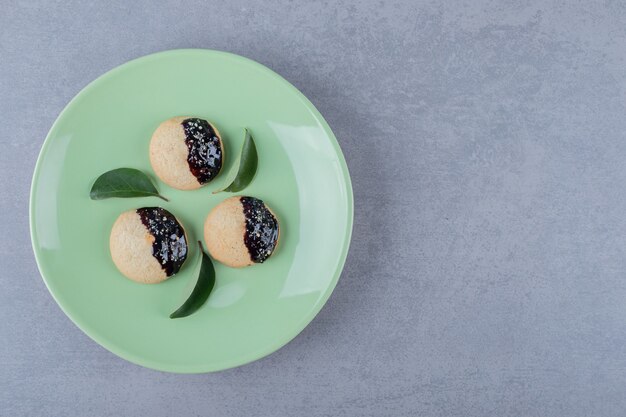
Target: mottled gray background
(487,147)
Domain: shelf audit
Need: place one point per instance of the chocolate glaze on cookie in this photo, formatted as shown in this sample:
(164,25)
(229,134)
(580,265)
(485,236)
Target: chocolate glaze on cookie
(261,233)
(170,245)
(205,150)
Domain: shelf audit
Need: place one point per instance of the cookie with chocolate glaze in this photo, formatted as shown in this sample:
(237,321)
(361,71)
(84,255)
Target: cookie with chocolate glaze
(148,245)
(186,152)
(241,231)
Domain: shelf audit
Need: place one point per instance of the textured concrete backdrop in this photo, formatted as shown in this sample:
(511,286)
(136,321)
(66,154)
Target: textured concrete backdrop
(487,146)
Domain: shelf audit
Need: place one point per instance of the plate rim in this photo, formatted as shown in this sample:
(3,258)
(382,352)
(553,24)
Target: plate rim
(305,321)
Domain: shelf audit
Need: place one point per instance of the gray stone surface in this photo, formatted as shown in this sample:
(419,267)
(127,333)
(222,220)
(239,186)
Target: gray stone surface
(487,145)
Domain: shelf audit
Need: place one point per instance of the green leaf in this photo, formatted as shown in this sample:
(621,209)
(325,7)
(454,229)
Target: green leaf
(123,183)
(248,161)
(200,293)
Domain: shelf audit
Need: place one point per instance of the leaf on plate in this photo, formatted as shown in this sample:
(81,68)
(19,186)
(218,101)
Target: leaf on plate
(123,183)
(200,293)
(248,161)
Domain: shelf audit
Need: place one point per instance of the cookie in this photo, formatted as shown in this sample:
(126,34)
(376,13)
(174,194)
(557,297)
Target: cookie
(241,231)
(186,152)
(148,245)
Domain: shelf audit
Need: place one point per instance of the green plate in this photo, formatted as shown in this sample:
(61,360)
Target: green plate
(302,175)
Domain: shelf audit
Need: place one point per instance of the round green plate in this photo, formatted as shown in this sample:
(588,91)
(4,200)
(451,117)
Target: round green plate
(302,175)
